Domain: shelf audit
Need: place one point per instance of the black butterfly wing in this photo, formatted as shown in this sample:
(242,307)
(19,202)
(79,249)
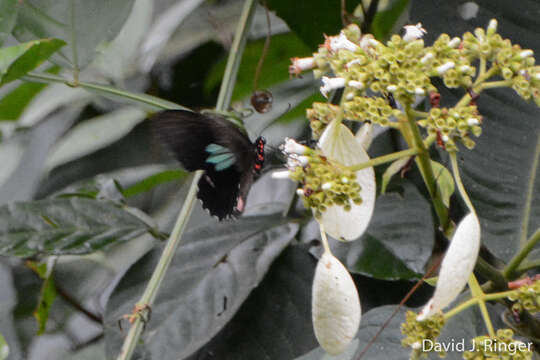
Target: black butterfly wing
(187,134)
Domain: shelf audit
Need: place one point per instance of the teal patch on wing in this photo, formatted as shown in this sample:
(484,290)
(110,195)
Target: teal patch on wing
(220,156)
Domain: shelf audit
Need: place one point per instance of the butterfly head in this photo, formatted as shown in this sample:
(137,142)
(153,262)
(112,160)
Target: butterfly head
(259,154)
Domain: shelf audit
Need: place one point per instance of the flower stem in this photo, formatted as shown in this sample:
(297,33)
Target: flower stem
(384,159)
(424,164)
(477,293)
(459,183)
(518,258)
(152,288)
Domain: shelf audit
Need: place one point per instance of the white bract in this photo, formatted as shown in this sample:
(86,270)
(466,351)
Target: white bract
(456,267)
(339,144)
(336,308)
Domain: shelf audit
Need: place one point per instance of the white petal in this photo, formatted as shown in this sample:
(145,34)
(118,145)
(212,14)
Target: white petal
(364,135)
(456,267)
(335,308)
(338,143)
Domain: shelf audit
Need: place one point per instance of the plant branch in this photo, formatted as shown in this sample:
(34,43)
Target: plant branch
(384,159)
(477,292)
(424,164)
(103,89)
(520,256)
(152,288)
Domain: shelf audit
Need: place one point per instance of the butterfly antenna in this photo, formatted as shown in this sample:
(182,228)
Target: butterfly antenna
(267,125)
(428,274)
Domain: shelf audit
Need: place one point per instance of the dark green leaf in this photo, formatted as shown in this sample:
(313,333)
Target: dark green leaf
(388,345)
(64,226)
(16,61)
(209,278)
(311,19)
(385,20)
(275,69)
(401,231)
(8,16)
(81,24)
(46,295)
(279,332)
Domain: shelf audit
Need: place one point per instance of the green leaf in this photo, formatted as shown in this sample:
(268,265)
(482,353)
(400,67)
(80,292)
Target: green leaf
(83,25)
(310,19)
(288,283)
(4,348)
(16,61)
(46,295)
(15,102)
(8,16)
(385,20)
(210,276)
(401,231)
(445,182)
(152,181)
(274,70)
(94,134)
(389,339)
(64,226)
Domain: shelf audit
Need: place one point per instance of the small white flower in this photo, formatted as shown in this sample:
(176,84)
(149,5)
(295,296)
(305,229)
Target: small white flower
(330,84)
(537,76)
(356,84)
(456,267)
(445,138)
(349,96)
(472,121)
(445,67)
(414,32)
(344,180)
(303,160)
(341,42)
(464,68)
(426,58)
(292,147)
(326,186)
(526,53)
(300,192)
(391,88)
(419,91)
(416,345)
(301,64)
(283,174)
(454,43)
(374,43)
(492,27)
(335,305)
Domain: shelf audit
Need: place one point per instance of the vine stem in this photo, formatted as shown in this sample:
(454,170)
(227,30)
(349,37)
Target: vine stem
(158,275)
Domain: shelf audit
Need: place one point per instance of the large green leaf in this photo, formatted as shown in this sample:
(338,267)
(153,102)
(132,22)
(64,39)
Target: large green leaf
(47,294)
(209,278)
(81,24)
(265,327)
(311,19)
(401,231)
(499,173)
(8,16)
(64,226)
(17,60)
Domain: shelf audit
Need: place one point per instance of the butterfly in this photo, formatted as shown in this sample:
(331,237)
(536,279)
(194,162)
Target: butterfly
(214,144)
